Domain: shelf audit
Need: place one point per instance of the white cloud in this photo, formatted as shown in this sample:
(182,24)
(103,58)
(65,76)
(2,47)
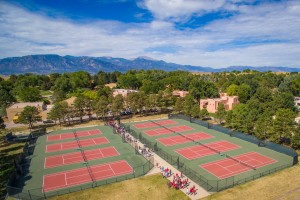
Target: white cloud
(164,9)
(263,35)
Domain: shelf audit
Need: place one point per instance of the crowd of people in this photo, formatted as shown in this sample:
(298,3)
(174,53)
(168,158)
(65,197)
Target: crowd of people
(145,151)
(178,181)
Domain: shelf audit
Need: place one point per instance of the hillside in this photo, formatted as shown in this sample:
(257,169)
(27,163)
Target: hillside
(50,63)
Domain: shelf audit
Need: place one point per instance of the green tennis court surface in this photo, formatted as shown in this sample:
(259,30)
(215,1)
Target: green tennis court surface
(212,159)
(75,159)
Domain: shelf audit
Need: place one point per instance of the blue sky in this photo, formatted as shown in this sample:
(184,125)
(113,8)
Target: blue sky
(212,33)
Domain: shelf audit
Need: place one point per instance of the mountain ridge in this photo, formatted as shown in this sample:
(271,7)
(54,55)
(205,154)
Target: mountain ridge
(51,63)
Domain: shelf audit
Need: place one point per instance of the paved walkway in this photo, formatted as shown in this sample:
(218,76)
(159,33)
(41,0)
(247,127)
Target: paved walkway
(158,161)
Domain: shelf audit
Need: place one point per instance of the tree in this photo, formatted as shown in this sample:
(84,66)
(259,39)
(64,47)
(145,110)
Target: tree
(221,112)
(203,113)
(195,111)
(132,101)
(128,81)
(80,79)
(117,104)
(296,138)
(29,115)
(153,101)
(79,106)
(296,85)
(263,127)
(58,95)
(232,90)
(244,93)
(161,103)
(188,105)
(284,100)
(2,125)
(283,124)
(29,94)
(263,94)
(101,106)
(60,112)
(179,105)
(105,91)
(237,116)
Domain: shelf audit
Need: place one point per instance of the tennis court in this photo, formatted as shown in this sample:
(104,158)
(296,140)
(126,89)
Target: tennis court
(169,130)
(77,157)
(237,164)
(70,135)
(74,144)
(84,175)
(154,124)
(179,139)
(208,155)
(198,151)
(72,160)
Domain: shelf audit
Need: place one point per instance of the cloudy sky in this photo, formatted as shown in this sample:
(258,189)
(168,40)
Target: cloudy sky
(210,33)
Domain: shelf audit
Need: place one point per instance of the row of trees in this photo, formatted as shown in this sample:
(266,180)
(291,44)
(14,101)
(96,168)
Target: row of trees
(263,95)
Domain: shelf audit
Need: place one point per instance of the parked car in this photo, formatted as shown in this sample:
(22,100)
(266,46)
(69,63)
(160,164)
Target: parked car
(48,121)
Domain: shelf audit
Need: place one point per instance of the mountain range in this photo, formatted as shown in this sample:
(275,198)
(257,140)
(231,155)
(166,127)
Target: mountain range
(50,63)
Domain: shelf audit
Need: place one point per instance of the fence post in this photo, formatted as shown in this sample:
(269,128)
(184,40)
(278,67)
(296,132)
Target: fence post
(29,194)
(44,193)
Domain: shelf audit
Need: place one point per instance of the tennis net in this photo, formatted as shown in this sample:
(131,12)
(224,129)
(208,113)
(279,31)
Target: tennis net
(188,138)
(213,149)
(239,161)
(84,157)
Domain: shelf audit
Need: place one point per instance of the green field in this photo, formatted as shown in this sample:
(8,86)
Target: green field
(32,182)
(204,178)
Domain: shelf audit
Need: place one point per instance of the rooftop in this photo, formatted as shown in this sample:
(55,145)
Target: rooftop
(24,104)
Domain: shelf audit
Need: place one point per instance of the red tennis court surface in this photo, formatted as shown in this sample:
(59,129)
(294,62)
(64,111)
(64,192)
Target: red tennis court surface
(74,145)
(64,136)
(169,130)
(173,140)
(76,157)
(152,124)
(199,151)
(80,176)
(229,167)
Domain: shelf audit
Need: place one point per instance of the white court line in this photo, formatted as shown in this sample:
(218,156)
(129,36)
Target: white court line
(111,169)
(94,141)
(66,179)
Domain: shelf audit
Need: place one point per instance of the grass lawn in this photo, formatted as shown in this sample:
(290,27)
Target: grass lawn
(147,187)
(46,92)
(283,185)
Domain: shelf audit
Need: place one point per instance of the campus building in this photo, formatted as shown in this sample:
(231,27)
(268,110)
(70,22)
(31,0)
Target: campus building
(123,92)
(180,93)
(211,105)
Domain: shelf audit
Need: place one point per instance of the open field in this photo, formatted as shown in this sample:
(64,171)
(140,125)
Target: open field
(152,187)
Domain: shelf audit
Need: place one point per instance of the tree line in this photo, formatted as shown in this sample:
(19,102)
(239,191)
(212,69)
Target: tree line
(266,110)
